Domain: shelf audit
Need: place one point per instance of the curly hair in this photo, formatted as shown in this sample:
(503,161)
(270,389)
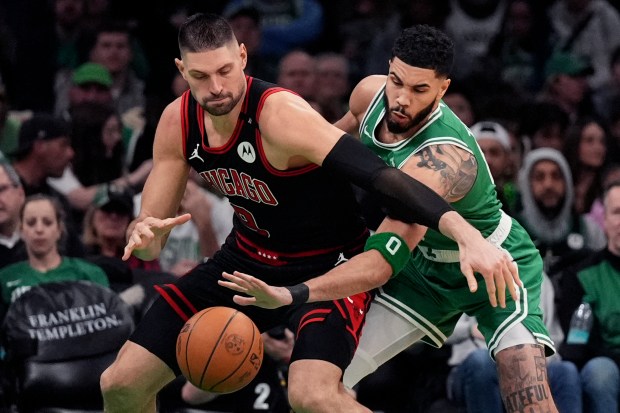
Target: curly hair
(425,47)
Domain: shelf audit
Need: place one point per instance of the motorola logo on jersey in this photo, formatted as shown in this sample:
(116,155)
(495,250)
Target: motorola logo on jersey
(246,152)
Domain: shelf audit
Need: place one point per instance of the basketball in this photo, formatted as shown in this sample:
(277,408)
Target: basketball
(219,349)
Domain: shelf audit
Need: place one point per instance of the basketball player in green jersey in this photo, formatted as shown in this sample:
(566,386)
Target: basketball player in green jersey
(402,118)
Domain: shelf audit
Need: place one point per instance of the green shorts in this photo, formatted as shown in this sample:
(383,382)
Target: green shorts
(433,294)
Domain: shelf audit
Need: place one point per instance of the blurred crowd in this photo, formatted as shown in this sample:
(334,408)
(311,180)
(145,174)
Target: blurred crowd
(83,83)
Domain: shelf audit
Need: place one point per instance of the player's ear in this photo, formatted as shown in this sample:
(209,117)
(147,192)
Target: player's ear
(443,88)
(243,53)
(180,66)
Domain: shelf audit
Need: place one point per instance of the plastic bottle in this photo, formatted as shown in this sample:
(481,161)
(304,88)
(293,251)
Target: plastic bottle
(580,325)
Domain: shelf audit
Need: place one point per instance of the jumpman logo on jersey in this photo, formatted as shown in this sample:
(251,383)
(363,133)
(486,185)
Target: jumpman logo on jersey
(340,260)
(195,154)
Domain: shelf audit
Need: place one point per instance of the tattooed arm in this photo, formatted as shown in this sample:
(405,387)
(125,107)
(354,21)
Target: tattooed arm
(447,169)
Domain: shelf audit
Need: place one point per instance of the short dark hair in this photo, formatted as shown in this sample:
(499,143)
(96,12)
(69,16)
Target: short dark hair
(426,47)
(204,31)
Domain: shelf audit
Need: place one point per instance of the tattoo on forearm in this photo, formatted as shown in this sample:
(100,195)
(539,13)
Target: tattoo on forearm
(523,379)
(457,168)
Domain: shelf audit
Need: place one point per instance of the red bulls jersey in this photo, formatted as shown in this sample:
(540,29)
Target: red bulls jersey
(296,212)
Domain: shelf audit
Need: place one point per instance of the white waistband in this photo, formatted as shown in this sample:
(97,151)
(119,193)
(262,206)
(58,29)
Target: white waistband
(497,238)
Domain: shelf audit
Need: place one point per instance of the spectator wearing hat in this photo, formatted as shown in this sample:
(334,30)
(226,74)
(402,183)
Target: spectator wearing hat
(494,142)
(44,151)
(90,82)
(562,235)
(566,84)
(11,201)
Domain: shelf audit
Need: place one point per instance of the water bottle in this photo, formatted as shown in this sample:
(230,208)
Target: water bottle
(580,325)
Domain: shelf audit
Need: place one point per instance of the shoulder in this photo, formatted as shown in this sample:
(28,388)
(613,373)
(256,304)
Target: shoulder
(171,115)
(81,264)
(363,93)
(12,268)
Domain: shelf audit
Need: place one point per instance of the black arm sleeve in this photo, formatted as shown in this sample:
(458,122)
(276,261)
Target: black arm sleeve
(403,197)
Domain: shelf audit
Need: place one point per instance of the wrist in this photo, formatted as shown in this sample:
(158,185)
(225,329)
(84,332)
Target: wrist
(454,226)
(299,293)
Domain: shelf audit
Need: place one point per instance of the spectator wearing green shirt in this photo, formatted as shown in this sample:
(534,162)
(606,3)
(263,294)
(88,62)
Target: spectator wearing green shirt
(42,229)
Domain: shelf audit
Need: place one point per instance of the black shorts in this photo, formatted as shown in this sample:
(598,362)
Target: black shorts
(323,330)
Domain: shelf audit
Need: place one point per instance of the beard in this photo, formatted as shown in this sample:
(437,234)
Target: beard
(550,211)
(222,109)
(395,127)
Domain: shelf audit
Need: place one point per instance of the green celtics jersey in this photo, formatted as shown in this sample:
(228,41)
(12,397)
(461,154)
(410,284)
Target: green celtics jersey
(480,206)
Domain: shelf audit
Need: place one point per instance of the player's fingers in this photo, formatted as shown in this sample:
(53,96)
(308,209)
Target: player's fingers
(238,299)
(500,284)
(514,271)
(490,282)
(512,283)
(468,272)
(178,220)
(232,286)
(128,250)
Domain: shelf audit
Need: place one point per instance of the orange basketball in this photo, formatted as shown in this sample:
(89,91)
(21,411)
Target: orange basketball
(220,350)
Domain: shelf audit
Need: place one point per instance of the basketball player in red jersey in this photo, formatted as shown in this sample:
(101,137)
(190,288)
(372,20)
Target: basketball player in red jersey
(262,146)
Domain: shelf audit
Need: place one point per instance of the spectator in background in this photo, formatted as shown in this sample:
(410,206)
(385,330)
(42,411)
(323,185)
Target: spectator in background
(297,72)
(90,83)
(543,125)
(99,158)
(68,19)
(286,24)
(494,142)
(42,227)
(246,24)
(596,280)
(390,21)
(607,96)
(562,235)
(472,24)
(369,26)
(11,201)
(459,100)
(610,174)
(519,51)
(44,151)
(566,84)
(112,48)
(586,152)
(473,382)
(590,29)
(332,86)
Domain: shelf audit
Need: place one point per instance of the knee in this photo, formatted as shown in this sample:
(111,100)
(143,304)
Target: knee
(305,400)
(114,385)
(600,372)
(480,364)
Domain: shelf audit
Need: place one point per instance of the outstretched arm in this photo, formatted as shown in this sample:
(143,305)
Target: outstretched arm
(162,191)
(361,273)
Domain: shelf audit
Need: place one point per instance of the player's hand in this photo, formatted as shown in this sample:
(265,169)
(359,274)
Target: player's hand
(494,264)
(260,293)
(148,230)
